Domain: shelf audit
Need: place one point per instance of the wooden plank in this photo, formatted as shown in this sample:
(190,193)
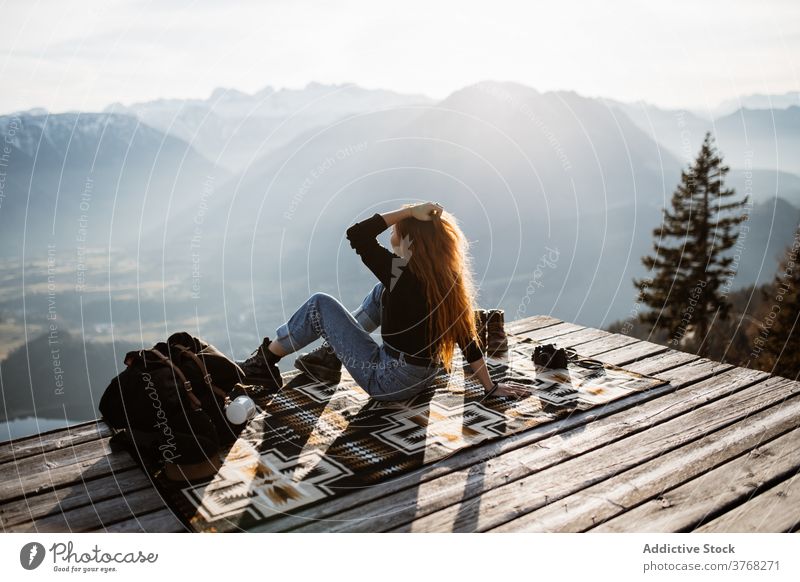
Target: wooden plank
(688,370)
(664,361)
(571,339)
(35,475)
(587,507)
(605,344)
(552,445)
(62,438)
(774,510)
(552,331)
(565,468)
(682,508)
(679,377)
(34,464)
(631,353)
(530,323)
(581,336)
(93,517)
(161,521)
(73,496)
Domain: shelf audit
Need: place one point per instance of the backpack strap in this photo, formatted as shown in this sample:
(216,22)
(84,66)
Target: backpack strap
(202,366)
(187,385)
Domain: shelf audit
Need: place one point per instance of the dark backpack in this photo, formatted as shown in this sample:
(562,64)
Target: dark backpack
(170,401)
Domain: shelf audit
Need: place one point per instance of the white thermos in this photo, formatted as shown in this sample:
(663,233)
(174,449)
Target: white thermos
(241,409)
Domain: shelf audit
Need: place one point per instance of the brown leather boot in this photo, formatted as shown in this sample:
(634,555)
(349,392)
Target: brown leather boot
(481,319)
(497,343)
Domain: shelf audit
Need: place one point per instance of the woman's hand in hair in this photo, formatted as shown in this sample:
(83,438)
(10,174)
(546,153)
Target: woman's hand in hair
(426,211)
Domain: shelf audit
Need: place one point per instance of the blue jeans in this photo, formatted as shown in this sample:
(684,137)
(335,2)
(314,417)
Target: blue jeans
(381,375)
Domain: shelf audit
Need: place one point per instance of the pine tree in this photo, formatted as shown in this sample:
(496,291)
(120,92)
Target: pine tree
(689,267)
(777,343)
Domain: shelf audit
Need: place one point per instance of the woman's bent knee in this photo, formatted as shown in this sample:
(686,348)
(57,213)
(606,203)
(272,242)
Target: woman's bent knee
(322,297)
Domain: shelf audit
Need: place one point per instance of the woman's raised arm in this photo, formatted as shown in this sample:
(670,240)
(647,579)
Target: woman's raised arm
(424,211)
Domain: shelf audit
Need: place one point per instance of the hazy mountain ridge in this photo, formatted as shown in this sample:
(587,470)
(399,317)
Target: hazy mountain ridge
(748,138)
(758,101)
(92,179)
(230,127)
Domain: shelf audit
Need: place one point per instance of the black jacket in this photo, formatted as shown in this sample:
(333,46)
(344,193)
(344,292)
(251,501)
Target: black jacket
(405,310)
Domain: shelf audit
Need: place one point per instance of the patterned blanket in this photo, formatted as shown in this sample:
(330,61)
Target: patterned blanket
(312,441)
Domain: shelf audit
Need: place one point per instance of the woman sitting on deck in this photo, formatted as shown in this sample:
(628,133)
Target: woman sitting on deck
(423,302)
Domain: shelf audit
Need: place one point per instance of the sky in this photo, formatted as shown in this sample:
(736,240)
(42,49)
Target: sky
(86,54)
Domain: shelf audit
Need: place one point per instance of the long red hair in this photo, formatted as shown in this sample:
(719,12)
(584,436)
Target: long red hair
(439,257)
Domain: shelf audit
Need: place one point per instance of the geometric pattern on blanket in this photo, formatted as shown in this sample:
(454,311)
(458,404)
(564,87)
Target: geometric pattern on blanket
(312,441)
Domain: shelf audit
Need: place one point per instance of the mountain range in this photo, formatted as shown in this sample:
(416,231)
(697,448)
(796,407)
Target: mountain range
(220,215)
(234,129)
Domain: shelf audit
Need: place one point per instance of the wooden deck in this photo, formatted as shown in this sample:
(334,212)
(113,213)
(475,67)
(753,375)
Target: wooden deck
(715,450)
